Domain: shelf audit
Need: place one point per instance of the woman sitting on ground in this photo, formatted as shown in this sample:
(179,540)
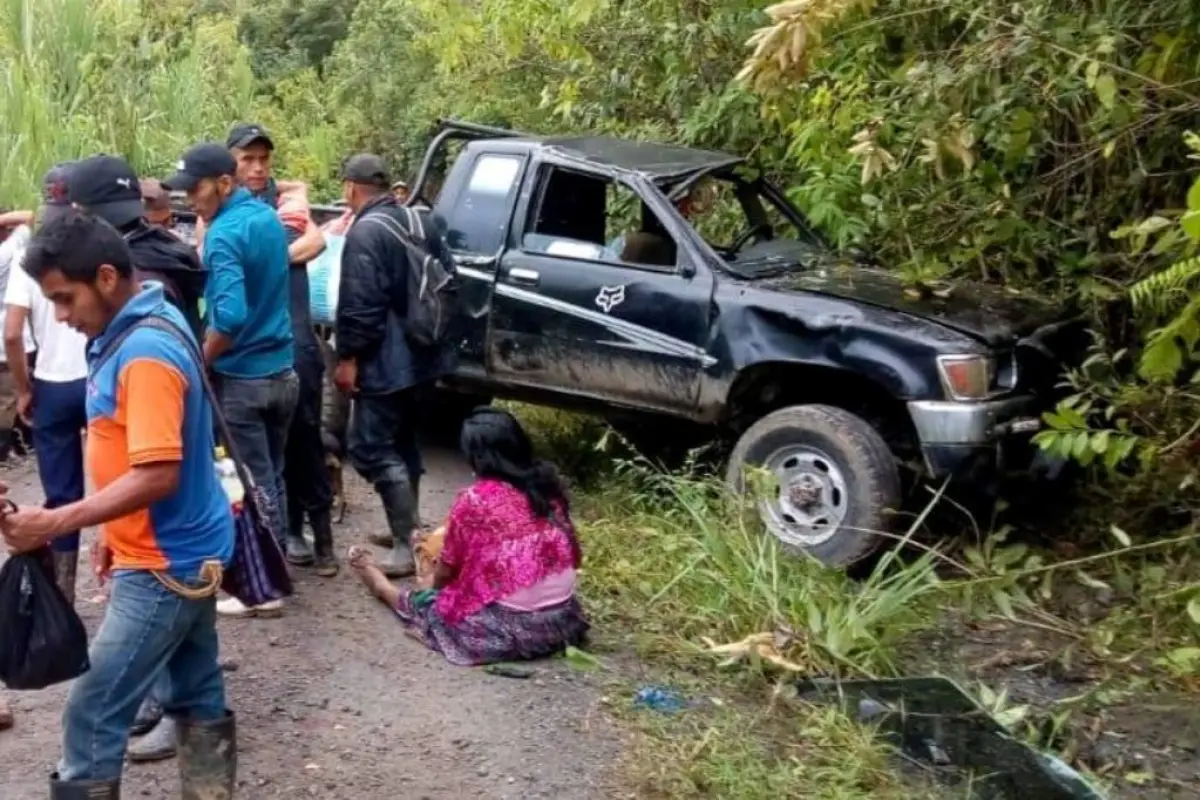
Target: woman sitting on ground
(504,584)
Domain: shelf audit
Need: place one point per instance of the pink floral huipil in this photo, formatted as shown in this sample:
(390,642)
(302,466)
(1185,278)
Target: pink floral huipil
(499,547)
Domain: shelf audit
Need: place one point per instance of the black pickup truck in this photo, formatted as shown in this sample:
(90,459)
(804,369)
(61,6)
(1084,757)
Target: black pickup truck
(638,278)
(646,281)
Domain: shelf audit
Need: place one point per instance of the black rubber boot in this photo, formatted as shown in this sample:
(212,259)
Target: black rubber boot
(418,523)
(322,524)
(398,506)
(148,715)
(208,758)
(6,442)
(65,567)
(84,790)
(298,551)
(157,745)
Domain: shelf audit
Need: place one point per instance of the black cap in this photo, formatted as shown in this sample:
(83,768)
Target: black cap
(366,168)
(107,187)
(56,193)
(206,160)
(246,133)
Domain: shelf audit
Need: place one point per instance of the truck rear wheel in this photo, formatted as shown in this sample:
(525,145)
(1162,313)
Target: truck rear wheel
(837,481)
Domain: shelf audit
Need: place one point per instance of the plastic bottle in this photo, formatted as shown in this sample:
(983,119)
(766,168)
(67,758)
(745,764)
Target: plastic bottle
(228,478)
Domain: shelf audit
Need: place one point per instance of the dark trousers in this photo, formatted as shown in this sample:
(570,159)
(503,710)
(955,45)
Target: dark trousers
(305,473)
(259,413)
(59,417)
(382,440)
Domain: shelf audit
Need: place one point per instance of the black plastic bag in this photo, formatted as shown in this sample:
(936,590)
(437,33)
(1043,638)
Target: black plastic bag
(42,639)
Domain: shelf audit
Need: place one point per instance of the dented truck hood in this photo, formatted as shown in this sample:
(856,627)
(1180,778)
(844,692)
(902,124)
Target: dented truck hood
(989,313)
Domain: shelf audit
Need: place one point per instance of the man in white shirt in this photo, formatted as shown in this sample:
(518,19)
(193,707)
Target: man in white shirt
(54,401)
(14,238)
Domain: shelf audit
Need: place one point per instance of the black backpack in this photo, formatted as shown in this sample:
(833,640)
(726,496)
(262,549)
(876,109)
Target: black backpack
(432,282)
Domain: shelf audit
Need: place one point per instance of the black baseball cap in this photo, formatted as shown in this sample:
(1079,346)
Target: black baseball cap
(246,133)
(107,187)
(366,168)
(56,192)
(208,160)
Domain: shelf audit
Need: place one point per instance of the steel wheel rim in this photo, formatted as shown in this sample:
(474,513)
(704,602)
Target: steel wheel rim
(810,501)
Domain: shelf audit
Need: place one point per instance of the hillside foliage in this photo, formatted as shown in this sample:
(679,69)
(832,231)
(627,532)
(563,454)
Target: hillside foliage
(1037,144)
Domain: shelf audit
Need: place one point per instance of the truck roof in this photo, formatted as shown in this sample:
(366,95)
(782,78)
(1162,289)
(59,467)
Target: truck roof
(652,160)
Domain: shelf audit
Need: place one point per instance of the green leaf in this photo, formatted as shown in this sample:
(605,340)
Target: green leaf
(1121,536)
(1003,603)
(1139,777)
(1090,582)
(1106,90)
(579,660)
(1193,609)
(1152,225)
(1191,225)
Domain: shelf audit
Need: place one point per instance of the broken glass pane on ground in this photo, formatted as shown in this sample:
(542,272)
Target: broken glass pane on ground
(933,721)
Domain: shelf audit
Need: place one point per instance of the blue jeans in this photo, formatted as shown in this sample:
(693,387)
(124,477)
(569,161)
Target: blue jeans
(382,440)
(148,632)
(259,412)
(59,417)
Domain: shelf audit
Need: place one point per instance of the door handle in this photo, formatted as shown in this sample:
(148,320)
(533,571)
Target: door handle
(526,277)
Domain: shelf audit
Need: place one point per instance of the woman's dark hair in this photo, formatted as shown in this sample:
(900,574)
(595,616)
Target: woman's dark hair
(496,446)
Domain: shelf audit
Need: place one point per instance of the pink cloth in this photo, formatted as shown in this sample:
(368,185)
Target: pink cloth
(545,593)
(498,547)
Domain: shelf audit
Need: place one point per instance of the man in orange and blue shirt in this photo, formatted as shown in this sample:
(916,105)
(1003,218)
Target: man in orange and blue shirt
(166,529)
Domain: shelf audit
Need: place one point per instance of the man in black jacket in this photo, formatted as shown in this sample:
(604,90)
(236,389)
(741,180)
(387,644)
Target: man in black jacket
(377,363)
(109,188)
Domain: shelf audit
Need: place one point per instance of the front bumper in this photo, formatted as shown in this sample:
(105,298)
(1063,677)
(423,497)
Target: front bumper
(974,441)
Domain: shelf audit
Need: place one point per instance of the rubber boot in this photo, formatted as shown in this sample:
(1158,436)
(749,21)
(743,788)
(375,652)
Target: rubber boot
(398,508)
(65,567)
(148,715)
(208,758)
(322,524)
(298,552)
(157,745)
(6,441)
(386,540)
(84,790)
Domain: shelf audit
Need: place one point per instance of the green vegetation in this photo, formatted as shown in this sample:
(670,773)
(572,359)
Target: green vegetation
(1039,145)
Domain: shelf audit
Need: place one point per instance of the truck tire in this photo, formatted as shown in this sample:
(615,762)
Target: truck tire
(838,481)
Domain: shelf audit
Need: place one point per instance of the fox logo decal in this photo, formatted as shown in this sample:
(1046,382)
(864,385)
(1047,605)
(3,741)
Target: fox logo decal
(610,297)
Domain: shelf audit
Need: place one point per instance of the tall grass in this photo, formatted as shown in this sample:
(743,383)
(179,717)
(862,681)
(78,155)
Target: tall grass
(83,76)
(680,561)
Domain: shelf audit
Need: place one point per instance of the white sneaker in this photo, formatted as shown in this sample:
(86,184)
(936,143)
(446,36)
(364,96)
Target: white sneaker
(232,607)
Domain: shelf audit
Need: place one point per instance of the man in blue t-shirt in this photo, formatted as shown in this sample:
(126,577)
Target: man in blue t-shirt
(248,339)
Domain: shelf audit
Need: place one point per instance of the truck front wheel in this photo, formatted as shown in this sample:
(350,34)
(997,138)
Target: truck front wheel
(836,481)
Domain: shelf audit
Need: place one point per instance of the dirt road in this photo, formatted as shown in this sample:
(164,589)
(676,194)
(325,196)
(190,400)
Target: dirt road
(334,702)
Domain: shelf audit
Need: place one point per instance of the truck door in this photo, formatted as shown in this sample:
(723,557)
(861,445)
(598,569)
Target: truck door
(571,315)
(477,211)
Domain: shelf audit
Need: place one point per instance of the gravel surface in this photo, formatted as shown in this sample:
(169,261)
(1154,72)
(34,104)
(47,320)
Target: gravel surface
(333,701)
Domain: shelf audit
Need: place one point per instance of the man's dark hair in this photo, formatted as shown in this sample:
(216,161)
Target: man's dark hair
(77,244)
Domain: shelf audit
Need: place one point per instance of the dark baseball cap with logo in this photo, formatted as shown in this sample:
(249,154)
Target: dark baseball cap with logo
(366,168)
(56,193)
(107,187)
(246,134)
(208,160)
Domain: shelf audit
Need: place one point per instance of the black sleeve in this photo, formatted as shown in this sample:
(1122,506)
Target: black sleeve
(363,294)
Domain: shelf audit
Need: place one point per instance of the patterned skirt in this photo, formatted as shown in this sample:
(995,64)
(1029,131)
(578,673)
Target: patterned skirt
(496,633)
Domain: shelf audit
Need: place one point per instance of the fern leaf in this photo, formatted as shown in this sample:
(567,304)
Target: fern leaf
(1162,291)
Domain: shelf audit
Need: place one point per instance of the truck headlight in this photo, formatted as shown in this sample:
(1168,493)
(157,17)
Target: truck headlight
(967,377)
